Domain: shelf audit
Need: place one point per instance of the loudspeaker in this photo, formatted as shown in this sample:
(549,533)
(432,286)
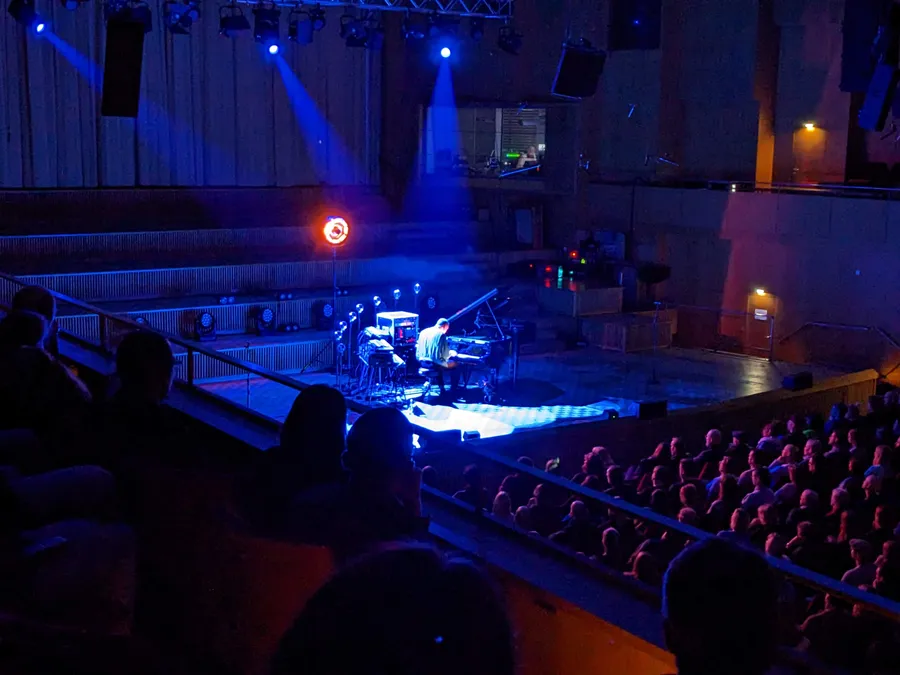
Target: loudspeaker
(653,410)
(798,381)
(879,97)
(122,68)
(578,72)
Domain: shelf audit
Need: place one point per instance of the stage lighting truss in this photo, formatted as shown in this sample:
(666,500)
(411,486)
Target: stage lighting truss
(180,16)
(129,10)
(485,9)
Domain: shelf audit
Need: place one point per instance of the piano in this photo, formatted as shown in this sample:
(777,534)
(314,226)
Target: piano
(486,347)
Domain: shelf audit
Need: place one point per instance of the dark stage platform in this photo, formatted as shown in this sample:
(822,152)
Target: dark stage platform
(567,387)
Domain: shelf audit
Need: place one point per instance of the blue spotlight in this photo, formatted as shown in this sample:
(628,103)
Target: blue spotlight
(40,27)
(273,49)
(445,52)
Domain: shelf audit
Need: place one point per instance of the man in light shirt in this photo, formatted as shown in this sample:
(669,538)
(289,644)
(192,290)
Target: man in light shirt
(432,350)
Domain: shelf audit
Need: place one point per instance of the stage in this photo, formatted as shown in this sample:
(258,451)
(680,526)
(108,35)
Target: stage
(563,388)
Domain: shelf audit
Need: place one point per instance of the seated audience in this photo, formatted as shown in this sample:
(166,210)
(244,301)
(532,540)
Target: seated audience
(578,533)
(309,454)
(39,300)
(405,612)
(134,422)
(501,509)
(863,572)
(714,451)
(612,549)
(544,513)
(762,494)
(380,501)
(738,530)
(39,394)
(720,609)
(828,631)
(646,569)
(474,494)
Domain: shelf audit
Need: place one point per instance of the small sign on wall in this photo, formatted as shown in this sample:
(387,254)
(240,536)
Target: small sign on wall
(761,314)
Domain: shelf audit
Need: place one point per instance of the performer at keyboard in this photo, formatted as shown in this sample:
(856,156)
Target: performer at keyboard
(432,350)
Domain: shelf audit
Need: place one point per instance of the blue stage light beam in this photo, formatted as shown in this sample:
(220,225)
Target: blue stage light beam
(445,52)
(442,189)
(90,71)
(332,161)
(154,121)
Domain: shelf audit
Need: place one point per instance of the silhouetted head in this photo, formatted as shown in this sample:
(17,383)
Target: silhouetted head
(22,329)
(502,506)
(144,366)
(472,476)
(379,446)
(720,610)
(404,612)
(314,431)
(443,325)
(35,299)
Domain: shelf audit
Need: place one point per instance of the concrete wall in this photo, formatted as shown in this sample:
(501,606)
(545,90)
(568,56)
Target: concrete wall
(826,259)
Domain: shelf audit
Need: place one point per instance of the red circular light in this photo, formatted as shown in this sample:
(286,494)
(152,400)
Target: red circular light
(336,231)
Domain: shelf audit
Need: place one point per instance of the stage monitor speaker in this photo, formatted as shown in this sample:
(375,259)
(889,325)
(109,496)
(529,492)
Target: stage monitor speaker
(798,381)
(122,68)
(879,98)
(653,410)
(578,72)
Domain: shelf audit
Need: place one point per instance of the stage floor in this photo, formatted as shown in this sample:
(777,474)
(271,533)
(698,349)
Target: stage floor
(566,387)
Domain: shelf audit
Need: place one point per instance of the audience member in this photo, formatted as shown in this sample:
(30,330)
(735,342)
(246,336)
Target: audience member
(612,549)
(578,533)
(22,329)
(404,612)
(738,531)
(501,509)
(474,494)
(39,300)
(380,502)
(543,513)
(863,572)
(762,493)
(134,422)
(309,454)
(827,632)
(720,605)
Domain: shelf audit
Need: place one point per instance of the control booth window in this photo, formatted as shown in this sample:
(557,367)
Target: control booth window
(484,142)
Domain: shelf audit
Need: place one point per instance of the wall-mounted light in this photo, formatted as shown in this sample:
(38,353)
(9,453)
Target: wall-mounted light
(810,126)
(760,291)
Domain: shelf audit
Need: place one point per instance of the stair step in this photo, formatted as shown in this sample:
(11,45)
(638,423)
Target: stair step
(262,277)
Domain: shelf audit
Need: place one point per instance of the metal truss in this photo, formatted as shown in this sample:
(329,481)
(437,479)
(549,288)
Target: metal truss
(486,9)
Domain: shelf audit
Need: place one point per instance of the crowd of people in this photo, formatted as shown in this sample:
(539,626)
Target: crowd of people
(823,494)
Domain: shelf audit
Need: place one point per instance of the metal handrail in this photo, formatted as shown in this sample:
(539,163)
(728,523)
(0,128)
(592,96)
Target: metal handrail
(842,326)
(191,348)
(803,186)
(750,184)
